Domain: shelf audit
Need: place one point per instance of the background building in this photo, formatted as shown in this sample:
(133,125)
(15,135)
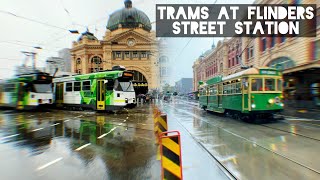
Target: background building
(184,86)
(128,41)
(297,57)
(62,63)
(66,56)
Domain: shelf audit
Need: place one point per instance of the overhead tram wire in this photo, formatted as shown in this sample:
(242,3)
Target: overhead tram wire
(33,20)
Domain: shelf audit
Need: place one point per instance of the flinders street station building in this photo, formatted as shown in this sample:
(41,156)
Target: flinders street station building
(128,41)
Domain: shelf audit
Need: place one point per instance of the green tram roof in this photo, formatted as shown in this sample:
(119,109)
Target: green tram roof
(97,75)
(26,77)
(250,71)
(214,80)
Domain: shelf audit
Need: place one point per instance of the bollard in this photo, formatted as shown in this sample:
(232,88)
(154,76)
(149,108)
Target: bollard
(162,123)
(170,150)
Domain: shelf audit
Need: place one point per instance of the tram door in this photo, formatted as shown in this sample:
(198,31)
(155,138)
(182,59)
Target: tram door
(245,94)
(220,96)
(59,94)
(101,95)
(20,96)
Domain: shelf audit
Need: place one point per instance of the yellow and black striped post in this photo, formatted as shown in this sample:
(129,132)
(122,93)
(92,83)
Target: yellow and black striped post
(156,117)
(171,155)
(162,123)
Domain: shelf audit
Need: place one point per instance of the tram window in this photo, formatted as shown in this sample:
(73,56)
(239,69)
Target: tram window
(9,88)
(238,89)
(279,85)
(234,88)
(110,85)
(76,86)
(256,84)
(117,85)
(68,87)
(86,85)
(269,85)
(245,83)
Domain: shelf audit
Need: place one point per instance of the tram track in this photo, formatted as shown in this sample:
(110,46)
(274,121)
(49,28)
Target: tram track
(297,134)
(244,138)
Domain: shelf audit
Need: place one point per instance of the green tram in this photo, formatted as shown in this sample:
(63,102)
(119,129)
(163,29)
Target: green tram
(101,91)
(247,95)
(26,91)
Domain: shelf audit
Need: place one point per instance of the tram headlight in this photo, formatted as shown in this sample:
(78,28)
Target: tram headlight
(281,104)
(253,105)
(270,101)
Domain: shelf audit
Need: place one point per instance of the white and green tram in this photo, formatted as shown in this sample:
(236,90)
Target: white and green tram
(100,91)
(26,91)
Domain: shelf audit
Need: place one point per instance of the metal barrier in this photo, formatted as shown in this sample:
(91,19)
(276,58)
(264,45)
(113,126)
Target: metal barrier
(169,150)
(171,155)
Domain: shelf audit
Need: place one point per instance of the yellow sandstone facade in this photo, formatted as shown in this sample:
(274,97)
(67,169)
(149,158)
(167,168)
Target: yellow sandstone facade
(128,42)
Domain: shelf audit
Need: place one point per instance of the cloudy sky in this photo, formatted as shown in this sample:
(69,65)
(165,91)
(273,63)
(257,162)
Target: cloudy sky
(45,23)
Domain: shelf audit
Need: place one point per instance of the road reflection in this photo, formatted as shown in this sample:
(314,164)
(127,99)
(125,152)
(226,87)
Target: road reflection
(118,146)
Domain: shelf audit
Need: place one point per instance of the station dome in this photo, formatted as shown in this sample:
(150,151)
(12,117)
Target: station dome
(128,17)
(87,34)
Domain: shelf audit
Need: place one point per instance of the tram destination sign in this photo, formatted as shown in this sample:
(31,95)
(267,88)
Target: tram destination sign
(268,72)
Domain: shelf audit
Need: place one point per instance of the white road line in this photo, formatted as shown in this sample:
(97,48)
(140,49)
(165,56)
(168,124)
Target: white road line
(55,124)
(103,135)
(49,164)
(84,146)
(37,129)
(120,124)
(7,137)
(127,117)
(124,120)
(66,120)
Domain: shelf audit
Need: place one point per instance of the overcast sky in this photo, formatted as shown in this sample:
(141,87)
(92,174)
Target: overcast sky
(18,34)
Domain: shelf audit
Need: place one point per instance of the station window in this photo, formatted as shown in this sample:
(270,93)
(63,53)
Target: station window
(77,86)
(78,61)
(269,85)
(135,54)
(264,44)
(127,54)
(256,84)
(69,87)
(250,52)
(86,86)
(143,54)
(118,54)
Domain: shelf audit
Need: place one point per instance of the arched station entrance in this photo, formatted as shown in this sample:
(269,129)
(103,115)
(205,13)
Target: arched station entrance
(140,83)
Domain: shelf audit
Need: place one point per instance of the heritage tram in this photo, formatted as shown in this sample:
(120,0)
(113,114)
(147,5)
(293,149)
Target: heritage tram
(247,95)
(26,91)
(102,91)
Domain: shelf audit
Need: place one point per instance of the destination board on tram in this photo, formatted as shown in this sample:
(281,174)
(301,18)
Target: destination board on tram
(127,74)
(268,72)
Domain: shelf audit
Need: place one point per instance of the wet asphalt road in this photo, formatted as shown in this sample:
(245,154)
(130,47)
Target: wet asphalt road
(89,145)
(287,149)
(78,145)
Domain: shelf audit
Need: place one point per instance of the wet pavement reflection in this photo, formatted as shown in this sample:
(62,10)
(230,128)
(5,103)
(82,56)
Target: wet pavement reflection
(78,145)
(252,151)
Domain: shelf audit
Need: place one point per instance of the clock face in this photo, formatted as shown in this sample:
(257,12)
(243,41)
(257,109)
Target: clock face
(131,42)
